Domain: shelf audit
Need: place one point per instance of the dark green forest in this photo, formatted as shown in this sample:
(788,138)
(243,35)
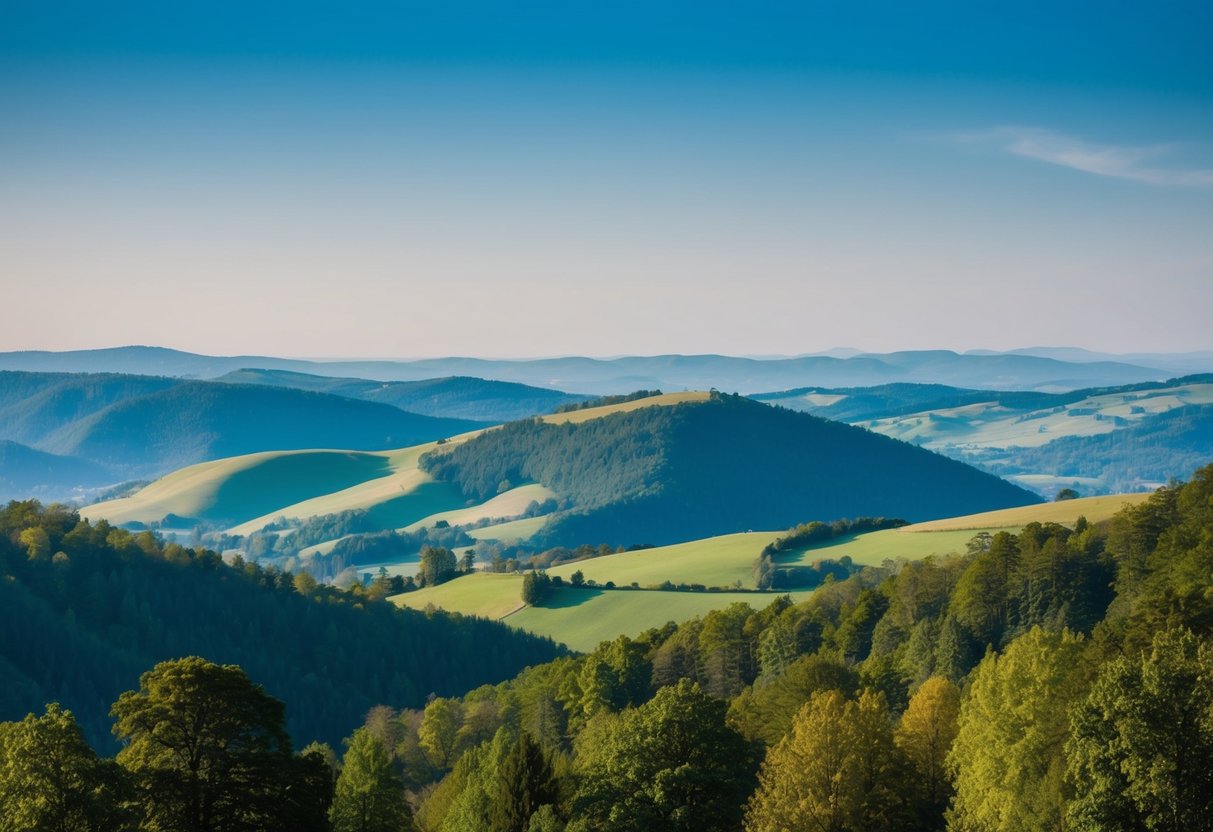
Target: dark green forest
(663,474)
(84,609)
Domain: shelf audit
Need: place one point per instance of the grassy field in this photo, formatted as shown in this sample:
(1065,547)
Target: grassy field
(874,548)
(1095,509)
(589,413)
(581,618)
(399,496)
(484,594)
(244,487)
(513,530)
(507,504)
(251,491)
(715,561)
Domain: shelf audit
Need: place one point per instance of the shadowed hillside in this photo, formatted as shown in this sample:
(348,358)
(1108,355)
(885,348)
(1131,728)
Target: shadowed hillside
(196,421)
(25,471)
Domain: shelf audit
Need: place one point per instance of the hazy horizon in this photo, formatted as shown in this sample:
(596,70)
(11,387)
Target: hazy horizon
(408,180)
(834,352)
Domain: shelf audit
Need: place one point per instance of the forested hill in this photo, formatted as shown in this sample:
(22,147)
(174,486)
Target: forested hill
(662,474)
(1151,450)
(203,420)
(143,426)
(85,609)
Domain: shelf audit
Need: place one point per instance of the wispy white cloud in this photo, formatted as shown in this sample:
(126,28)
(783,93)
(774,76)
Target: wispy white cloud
(1139,164)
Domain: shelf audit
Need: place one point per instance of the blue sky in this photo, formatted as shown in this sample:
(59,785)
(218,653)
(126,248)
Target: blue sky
(555,178)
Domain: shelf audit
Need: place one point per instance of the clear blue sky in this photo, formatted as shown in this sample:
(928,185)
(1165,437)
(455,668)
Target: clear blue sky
(403,179)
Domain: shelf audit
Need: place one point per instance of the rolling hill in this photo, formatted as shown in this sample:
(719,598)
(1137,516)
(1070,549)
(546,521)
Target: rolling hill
(728,464)
(199,420)
(140,426)
(458,397)
(1102,439)
(656,470)
(35,406)
(1145,452)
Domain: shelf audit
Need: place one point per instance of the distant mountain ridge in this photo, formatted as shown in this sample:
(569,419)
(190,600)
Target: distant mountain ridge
(1001,371)
(461,397)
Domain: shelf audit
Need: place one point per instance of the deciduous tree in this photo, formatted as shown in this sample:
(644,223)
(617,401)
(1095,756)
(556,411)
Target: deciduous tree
(368,797)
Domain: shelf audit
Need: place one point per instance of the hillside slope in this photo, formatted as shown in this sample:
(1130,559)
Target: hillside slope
(1148,451)
(459,397)
(33,406)
(1103,440)
(196,421)
(660,475)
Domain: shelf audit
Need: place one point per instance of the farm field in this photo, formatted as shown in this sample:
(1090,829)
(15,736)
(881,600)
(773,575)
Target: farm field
(1066,512)
(580,618)
(507,504)
(715,561)
(484,594)
(510,531)
(583,619)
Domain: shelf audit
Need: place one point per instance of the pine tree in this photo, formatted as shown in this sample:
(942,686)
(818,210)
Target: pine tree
(525,781)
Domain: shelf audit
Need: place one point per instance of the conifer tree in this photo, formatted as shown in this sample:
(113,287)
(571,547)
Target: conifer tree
(525,782)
